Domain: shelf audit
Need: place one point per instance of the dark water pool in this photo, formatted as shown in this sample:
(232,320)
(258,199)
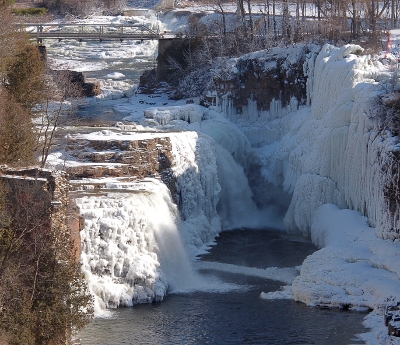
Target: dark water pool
(233,317)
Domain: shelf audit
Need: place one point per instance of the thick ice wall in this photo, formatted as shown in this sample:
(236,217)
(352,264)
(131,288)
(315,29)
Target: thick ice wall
(163,115)
(120,253)
(334,152)
(197,187)
(229,136)
(353,268)
(204,120)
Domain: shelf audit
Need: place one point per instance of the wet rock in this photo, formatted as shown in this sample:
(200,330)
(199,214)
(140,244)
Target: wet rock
(75,84)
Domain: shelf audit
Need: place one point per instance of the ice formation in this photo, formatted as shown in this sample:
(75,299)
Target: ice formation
(236,206)
(132,249)
(342,273)
(329,155)
(333,157)
(332,152)
(197,188)
(119,247)
(134,244)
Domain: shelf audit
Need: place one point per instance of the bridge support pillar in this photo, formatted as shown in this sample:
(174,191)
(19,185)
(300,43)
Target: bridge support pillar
(43,52)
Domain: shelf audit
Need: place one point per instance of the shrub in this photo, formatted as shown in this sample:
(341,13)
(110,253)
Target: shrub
(32,11)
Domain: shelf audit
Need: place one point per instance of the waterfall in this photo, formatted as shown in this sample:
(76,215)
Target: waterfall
(135,246)
(236,207)
(132,251)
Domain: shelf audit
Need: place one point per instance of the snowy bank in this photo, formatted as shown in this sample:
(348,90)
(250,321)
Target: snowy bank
(353,269)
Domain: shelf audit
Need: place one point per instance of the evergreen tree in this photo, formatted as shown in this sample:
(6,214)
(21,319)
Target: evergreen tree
(45,297)
(17,139)
(43,294)
(26,77)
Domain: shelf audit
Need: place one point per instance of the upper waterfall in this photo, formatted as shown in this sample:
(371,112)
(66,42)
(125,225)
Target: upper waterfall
(135,246)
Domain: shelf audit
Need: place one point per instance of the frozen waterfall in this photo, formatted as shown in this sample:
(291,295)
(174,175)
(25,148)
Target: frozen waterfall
(132,251)
(236,207)
(332,151)
(136,245)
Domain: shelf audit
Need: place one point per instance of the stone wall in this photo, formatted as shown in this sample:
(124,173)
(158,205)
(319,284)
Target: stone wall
(41,197)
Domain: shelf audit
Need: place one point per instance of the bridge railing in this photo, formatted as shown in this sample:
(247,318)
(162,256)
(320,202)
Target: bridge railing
(90,31)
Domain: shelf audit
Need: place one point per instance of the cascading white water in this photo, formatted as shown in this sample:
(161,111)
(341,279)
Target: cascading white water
(134,244)
(132,251)
(172,255)
(236,206)
(132,247)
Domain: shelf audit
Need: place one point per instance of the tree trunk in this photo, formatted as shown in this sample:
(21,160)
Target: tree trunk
(274,18)
(240,9)
(354,23)
(250,18)
(392,16)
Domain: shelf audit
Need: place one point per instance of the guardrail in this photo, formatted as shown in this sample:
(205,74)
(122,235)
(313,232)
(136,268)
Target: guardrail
(100,32)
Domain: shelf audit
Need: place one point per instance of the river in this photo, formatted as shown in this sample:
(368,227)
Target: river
(237,316)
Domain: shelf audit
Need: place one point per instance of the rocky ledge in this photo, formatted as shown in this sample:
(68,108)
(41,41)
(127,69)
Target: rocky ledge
(120,155)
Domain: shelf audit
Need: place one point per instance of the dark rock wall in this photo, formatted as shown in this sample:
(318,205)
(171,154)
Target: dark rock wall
(264,76)
(75,84)
(39,198)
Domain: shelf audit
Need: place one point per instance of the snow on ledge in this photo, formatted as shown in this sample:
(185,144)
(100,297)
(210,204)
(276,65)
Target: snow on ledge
(354,268)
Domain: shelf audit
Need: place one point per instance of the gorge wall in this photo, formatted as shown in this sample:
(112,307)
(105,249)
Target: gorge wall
(321,138)
(300,121)
(265,78)
(39,198)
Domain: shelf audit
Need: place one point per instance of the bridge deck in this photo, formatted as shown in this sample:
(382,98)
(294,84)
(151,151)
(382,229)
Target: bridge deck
(102,32)
(91,36)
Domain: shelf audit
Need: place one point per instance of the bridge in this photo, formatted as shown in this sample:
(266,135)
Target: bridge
(106,32)
(84,32)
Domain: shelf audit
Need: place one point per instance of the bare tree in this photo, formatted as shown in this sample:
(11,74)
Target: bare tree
(53,111)
(219,8)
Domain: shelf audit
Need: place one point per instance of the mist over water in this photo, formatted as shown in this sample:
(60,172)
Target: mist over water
(236,206)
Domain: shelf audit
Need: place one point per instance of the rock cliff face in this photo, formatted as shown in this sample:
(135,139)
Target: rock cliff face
(40,197)
(265,77)
(76,84)
(123,158)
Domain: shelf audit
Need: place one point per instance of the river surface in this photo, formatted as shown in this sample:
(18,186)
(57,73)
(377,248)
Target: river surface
(99,61)
(237,316)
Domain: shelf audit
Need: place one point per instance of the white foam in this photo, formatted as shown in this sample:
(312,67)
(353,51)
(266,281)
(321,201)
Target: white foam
(131,247)
(285,275)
